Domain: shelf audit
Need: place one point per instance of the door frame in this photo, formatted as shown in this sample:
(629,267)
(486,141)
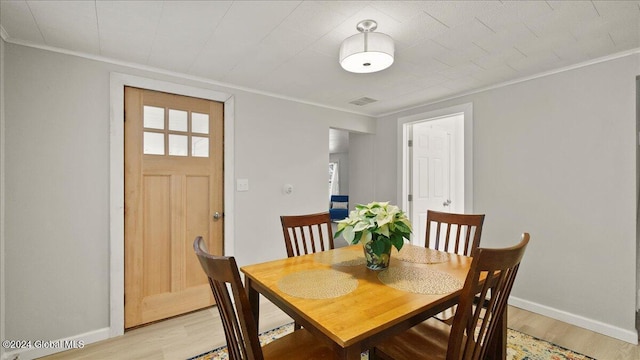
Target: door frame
(403,157)
(116,182)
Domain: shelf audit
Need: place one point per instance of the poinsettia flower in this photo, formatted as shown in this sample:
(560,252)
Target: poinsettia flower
(386,225)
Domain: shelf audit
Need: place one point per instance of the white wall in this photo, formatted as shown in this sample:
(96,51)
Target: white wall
(362,173)
(556,157)
(57,184)
(278,142)
(56,196)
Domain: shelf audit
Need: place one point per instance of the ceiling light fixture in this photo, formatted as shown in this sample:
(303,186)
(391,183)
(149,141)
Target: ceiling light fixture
(367,51)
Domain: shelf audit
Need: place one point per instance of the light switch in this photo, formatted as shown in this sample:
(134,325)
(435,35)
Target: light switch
(242,185)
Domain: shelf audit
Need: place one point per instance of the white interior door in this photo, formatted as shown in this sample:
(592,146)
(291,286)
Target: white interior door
(430,175)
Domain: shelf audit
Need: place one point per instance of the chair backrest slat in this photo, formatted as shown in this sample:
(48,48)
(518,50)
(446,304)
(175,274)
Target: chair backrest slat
(321,242)
(304,234)
(240,329)
(491,278)
(465,239)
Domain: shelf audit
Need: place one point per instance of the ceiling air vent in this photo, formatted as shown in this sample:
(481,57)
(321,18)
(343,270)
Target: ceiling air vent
(362,101)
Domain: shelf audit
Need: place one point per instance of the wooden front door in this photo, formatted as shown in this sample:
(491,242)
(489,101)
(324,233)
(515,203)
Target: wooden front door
(173,193)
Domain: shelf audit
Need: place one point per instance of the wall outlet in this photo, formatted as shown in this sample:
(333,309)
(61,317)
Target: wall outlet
(242,185)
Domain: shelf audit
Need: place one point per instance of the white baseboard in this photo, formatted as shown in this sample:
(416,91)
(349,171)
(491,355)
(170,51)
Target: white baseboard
(630,336)
(44,348)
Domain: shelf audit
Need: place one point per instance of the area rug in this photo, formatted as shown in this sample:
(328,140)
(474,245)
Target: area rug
(519,347)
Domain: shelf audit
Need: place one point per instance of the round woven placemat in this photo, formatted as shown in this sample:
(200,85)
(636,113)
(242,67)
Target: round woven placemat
(317,284)
(343,258)
(419,280)
(421,255)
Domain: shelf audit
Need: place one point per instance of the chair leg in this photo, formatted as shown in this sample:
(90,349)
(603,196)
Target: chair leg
(372,355)
(296,326)
(375,354)
(497,349)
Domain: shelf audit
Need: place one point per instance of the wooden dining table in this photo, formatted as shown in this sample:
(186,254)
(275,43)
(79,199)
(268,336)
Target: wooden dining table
(347,305)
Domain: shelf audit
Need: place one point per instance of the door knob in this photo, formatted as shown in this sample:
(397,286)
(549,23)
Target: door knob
(447,203)
(216,216)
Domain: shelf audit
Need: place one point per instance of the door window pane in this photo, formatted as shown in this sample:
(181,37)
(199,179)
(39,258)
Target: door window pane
(178,145)
(200,146)
(153,143)
(177,120)
(153,117)
(200,123)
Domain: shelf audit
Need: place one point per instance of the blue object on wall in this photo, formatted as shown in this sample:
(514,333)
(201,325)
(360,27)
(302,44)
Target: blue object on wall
(339,207)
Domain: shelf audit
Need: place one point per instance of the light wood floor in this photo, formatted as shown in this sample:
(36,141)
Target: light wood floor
(192,334)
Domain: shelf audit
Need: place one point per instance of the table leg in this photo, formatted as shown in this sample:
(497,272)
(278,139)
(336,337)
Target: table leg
(353,353)
(350,353)
(254,301)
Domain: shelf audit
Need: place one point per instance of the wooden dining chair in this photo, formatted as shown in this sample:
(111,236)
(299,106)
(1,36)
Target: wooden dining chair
(454,233)
(474,327)
(240,327)
(305,234)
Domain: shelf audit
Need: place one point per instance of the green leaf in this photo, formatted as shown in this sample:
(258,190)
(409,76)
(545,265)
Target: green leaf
(403,228)
(405,224)
(397,241)
(380,246)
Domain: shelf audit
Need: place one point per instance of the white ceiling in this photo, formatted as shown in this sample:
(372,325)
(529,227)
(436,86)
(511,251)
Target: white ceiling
(290,48)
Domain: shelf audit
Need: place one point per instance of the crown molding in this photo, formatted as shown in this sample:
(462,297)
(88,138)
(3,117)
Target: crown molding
(105,59)
(178,74)
(520,80)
